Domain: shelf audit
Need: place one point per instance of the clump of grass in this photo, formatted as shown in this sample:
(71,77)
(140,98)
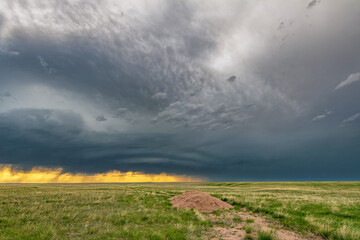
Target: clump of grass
(237,220)
(265,235)
(249,220)
(144,218)
(248,229)
(216,213)
(248,237)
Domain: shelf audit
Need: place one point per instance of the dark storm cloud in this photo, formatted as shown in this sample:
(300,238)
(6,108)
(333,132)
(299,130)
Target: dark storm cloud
(60,123)
(226,158)
(102,85)
(59,139)
(123,61)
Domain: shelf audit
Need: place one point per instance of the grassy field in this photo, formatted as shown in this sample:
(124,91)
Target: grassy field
(329,209)
(142,211)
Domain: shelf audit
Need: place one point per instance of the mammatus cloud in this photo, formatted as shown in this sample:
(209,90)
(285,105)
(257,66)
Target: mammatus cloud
(350,119)
(147,68)
(8,174)
(349,80)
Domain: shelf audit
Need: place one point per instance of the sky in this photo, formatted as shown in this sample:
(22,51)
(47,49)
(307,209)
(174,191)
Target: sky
(234,90)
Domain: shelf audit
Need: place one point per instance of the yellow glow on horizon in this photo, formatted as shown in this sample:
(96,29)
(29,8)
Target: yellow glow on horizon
(8,174)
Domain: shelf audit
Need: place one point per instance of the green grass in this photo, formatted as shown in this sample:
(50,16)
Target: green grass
(248,229)
(329,209)
(248,237)
(237,220)
(262,235)
(142,211)
(99,211)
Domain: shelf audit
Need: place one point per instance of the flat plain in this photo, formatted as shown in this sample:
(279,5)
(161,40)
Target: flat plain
(328,210)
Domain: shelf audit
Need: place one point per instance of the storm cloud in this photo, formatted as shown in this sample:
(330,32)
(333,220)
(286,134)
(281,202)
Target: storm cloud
(234,90)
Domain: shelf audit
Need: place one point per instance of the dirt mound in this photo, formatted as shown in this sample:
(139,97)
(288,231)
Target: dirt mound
(198,200)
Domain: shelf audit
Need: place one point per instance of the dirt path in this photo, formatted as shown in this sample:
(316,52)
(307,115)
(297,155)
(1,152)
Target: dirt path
(230,225)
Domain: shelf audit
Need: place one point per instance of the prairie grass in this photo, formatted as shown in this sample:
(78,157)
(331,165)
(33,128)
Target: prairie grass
(248,237)
(94,211)
(237,220)
(142,211)
(248,229)
(329,209)
(265,235)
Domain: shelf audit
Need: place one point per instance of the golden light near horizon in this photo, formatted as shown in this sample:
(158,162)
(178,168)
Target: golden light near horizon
(8,174)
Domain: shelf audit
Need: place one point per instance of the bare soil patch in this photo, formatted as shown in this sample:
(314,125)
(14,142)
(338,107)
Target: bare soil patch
(230,225)
(226,228)
(198,200)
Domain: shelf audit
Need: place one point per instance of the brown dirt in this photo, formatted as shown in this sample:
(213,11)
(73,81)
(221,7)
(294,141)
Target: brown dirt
(198,200)
(225,228)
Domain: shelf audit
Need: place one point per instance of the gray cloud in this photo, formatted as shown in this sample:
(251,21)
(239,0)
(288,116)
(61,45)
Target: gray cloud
(55,121)
(218,156)
(177,84)
(322,116)
(133,75)
(4,95)
(100,118)
(231,79)
(349,80)
(45,65)
(8,52)
(350,119)
(313,3)
(159,96)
